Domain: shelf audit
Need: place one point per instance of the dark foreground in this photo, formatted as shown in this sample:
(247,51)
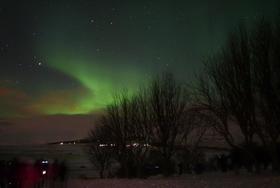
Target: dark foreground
(205,181)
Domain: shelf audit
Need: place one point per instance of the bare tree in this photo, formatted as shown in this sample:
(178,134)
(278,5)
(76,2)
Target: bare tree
(168,100)
(140,130)
(100,149)
(157,115)
(211,103)
(227,93)
(117,121)
(265,54)
(126,125)
(241,85)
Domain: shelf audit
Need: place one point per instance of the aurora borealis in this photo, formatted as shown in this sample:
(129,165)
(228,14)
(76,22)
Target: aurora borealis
(69,57)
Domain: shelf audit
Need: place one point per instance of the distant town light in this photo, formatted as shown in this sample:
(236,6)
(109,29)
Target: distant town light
(147,145)
(61,143)
(135,144)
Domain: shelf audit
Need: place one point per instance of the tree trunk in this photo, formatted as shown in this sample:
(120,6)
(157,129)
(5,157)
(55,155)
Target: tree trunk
(275,157)
(101,173)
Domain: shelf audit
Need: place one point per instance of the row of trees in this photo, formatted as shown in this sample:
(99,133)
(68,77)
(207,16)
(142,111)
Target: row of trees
(156,116)
(238,91)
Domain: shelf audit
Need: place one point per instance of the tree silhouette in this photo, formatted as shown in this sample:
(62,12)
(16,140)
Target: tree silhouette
(100,149)
(240,87)
(168,100)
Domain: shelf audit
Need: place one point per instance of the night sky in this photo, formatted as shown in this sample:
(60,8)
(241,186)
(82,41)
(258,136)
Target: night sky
(66,59)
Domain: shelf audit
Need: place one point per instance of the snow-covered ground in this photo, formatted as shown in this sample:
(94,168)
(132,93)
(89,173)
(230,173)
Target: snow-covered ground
(201,181)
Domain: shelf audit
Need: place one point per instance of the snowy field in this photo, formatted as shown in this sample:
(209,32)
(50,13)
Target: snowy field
(201,181)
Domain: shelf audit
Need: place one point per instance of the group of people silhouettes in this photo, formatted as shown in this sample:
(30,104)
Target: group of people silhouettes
(33,174)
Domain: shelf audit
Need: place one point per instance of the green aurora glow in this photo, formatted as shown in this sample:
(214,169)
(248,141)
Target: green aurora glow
(87,51)
(101,82)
